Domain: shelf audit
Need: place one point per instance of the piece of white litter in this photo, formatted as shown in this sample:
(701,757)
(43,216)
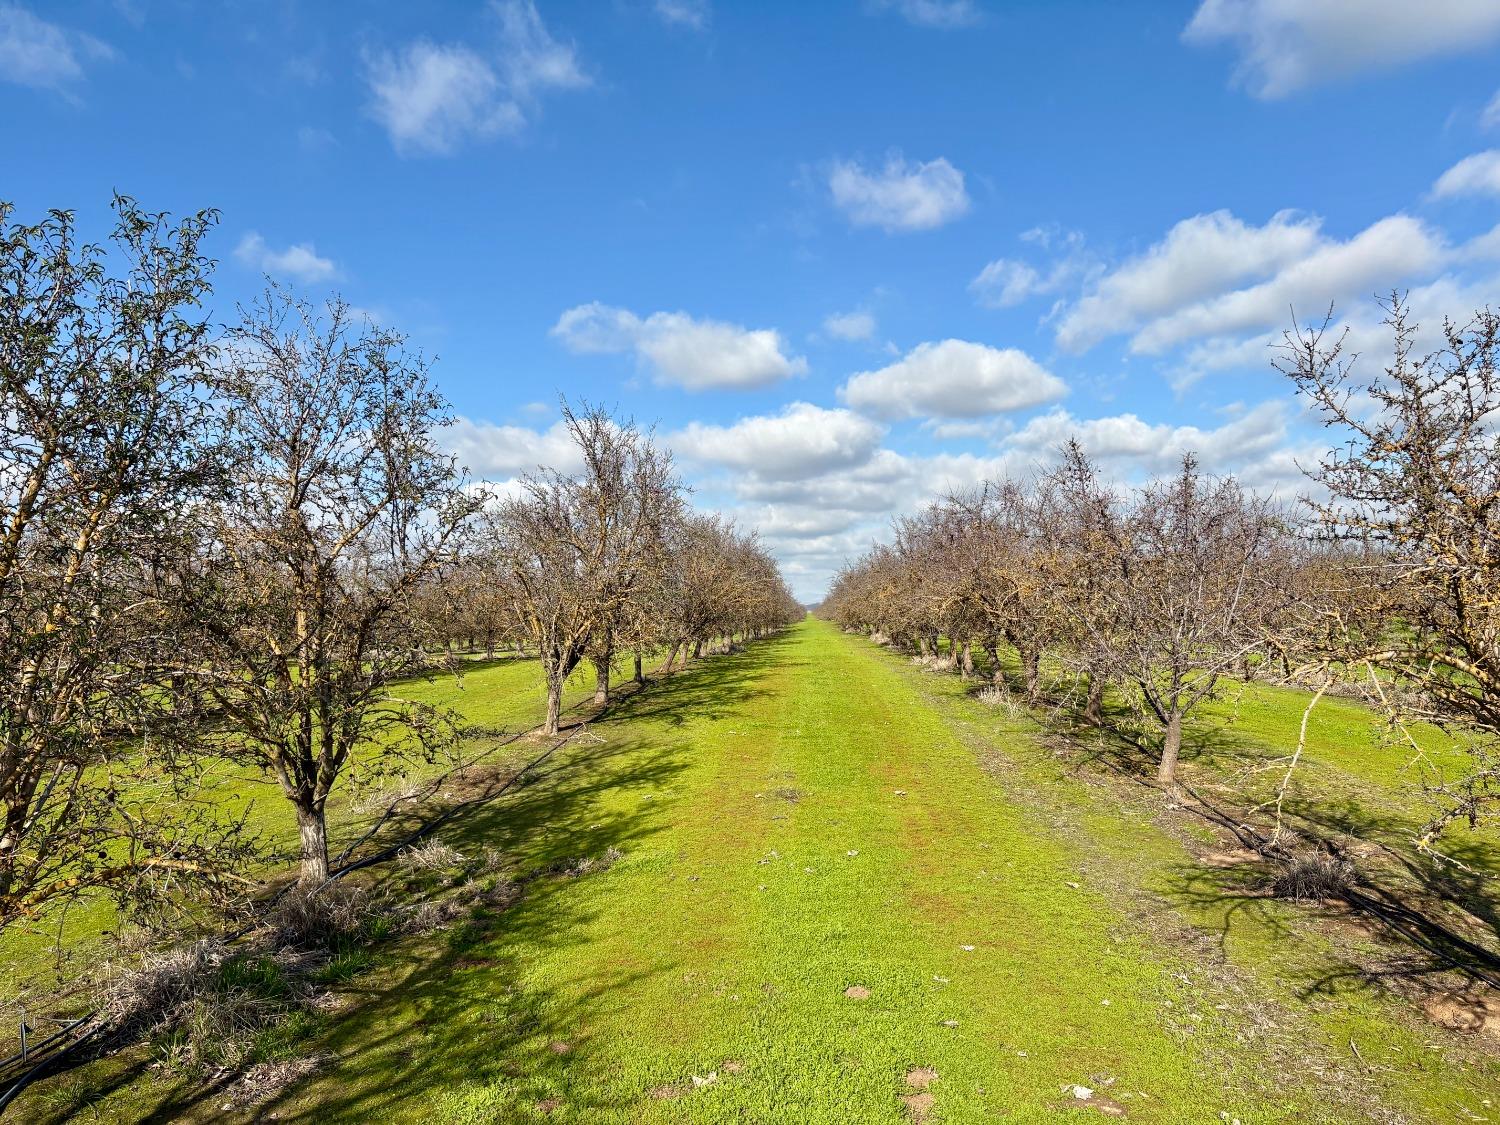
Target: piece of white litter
(851,851)
(950,1023)
(900,792)
(1105,1003)
(967,948)
(1082,1093)
(1073,885)
(940,980)
(707,1080)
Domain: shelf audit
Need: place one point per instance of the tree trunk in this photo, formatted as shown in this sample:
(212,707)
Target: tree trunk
(921,645)
(640,674)
(1166,771)
(997,672)
(1031,664)
(1093,709)
(554,706)
(601,680)
(312,829)
(966,661)
(697,651)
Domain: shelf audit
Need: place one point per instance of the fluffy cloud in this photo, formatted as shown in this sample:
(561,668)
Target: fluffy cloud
(857,325)
(1384,254)
(432,97)
(934,13)
(300,261)
(1473,175)
(899,196)
(696,354)
(1286,45)
(1199,257)
(1214,277)
(499,453)
(34,52)
(802,440)
(952,379)
(1126,441)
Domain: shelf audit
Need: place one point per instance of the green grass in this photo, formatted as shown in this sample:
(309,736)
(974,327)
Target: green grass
(724,940)
(505,694)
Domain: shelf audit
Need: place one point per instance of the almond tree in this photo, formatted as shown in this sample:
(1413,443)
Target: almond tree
(1413,487)
(1182,602)
(339,507)
(581,548)
(103,440)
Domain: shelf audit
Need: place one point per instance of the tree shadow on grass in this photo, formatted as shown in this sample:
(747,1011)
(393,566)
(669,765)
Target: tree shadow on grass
(451,1020)
(1435,919)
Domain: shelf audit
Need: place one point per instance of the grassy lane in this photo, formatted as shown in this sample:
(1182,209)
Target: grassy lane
(830,909)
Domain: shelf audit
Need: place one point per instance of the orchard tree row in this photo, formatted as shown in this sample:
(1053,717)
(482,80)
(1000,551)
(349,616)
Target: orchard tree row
(1384,580)
(230,542)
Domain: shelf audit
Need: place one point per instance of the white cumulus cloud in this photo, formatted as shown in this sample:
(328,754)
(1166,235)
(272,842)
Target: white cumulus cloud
(1200,256)
(802,440)
(432,97)
(1473,175)
(682,350)
(1287,45)
(1132,443)
(899,196)
(952,379)
(300,261)
(496,452)
(1384,254)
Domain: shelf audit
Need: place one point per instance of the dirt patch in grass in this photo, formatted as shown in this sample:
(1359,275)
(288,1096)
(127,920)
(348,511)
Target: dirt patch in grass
(857,992)
(1465,1011)
(664,1093)
(1229,857)
(918,1106)
(921,1077)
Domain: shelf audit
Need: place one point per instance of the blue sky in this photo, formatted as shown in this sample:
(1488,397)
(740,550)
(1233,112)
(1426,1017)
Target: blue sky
(844,255)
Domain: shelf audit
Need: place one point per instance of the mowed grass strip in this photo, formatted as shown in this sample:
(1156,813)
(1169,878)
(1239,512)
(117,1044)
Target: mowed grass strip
(826,912)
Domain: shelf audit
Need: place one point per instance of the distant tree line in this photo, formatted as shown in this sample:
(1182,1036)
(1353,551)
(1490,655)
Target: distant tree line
(230,542)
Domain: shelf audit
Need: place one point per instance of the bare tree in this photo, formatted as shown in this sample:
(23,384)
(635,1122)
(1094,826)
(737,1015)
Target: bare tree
(1414,487)
(339,507)
(103,439)
(1181,603)
(580,549)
